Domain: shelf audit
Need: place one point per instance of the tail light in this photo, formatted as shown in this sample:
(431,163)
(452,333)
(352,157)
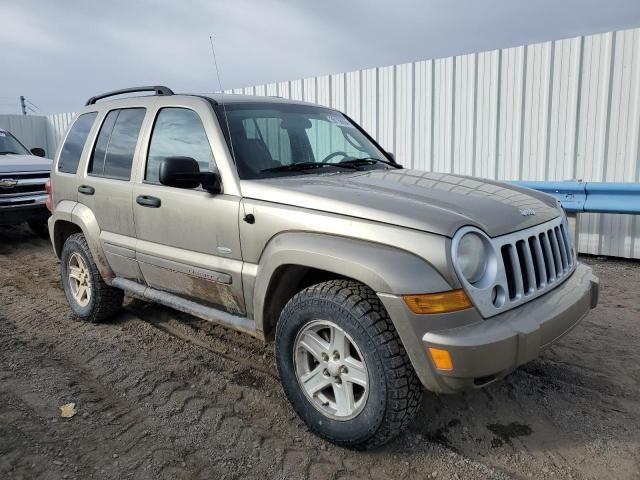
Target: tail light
(49,202)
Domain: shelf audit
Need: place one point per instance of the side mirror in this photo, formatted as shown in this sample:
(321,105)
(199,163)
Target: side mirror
(38,152)
(391,155)
(179,172)
(210,182)
(184,172)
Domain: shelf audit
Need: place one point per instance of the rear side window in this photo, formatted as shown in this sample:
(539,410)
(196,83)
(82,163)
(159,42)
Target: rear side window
(74,144)
(116,144)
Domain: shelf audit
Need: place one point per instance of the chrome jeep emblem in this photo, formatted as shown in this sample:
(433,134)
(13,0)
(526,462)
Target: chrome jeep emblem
(527,212)
(8,183)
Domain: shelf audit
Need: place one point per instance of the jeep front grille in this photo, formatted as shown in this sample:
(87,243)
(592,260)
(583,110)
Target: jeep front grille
(534,262)
(521,266)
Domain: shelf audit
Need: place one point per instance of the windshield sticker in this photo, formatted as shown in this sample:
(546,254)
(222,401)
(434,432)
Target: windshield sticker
(339,120)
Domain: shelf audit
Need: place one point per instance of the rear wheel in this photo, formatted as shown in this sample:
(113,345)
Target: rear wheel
(343,366)
(89,297)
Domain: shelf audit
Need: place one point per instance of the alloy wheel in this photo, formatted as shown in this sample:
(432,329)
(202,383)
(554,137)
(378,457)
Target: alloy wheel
(79,279)
(331,370)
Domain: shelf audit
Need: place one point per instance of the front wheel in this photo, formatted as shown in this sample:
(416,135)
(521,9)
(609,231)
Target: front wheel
(343,366)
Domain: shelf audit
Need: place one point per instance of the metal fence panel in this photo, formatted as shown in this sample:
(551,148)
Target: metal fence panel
(57,125)
(404,111)
(422,131)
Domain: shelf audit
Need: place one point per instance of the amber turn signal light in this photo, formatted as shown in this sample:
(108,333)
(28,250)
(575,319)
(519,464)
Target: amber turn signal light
(441,358)
(441,302)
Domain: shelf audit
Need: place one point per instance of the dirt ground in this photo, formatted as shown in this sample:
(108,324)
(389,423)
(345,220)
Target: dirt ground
(160,394)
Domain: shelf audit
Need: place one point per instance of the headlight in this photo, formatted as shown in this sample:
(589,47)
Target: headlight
(472,256)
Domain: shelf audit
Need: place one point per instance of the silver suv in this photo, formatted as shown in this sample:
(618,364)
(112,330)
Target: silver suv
(24,177)
(287,221)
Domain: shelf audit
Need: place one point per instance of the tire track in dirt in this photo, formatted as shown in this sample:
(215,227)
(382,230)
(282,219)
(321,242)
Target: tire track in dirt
(184,332)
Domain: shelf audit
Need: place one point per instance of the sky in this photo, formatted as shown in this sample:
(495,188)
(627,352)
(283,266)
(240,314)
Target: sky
(59,53)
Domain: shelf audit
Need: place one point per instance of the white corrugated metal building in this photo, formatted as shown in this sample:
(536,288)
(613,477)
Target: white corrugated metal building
(559,110)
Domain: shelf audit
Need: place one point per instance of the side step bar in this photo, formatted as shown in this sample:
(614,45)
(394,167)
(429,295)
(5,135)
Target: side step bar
(210,314)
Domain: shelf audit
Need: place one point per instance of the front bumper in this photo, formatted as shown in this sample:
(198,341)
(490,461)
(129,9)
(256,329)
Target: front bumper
(23,208)
(483,350)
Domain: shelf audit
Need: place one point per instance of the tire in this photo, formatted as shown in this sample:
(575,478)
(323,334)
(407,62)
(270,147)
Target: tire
(39,227)
(382,409)
(100,301)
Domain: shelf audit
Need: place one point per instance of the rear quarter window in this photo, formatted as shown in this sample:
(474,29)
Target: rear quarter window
(115,147)
(74,144)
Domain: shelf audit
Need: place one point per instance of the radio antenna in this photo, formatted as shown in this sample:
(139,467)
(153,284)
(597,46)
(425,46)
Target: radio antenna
(224,108)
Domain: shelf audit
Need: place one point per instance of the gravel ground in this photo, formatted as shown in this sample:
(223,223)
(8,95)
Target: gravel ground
(160,394)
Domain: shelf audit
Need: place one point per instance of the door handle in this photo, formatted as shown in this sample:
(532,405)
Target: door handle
(86,189)
(148,201)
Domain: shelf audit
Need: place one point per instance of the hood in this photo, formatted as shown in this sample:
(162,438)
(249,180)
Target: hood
(23,163)
(434,202)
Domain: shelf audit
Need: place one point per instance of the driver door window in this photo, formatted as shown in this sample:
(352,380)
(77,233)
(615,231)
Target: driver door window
(178,132)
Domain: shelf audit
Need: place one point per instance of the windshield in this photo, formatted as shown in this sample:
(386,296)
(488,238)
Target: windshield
(279,139)
(10,144)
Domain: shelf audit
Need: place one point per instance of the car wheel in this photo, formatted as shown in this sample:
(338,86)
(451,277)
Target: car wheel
(343,366)
(39,227)
(89,297)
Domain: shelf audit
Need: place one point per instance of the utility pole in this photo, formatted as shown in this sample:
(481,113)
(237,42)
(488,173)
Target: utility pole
(23,105)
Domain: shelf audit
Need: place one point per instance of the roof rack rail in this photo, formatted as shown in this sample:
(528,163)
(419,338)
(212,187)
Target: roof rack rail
(158,89)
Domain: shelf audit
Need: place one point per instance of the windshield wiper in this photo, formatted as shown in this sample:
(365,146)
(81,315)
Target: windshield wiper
(9,153)
(367,161)
(307,166)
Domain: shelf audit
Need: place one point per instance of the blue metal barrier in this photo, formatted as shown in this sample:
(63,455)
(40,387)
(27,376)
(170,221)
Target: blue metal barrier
(572,195)
(613,198)
(592,197)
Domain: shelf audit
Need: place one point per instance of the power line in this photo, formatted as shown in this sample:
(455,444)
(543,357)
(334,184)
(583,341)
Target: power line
(33,104)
